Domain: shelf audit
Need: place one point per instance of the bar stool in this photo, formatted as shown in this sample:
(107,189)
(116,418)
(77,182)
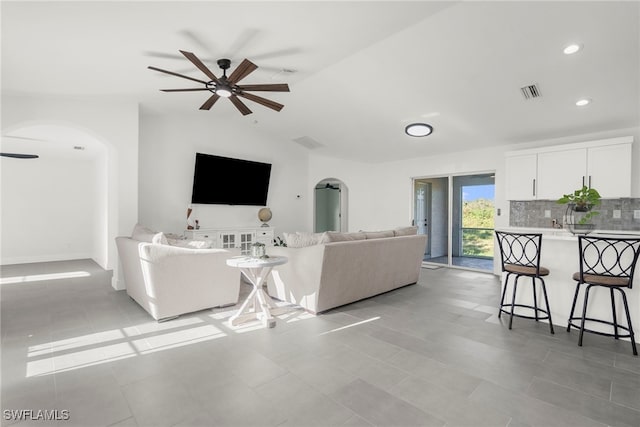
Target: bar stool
(520,254)
(608,262)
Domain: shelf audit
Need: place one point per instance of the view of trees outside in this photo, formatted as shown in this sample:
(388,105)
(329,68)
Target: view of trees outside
(478,220)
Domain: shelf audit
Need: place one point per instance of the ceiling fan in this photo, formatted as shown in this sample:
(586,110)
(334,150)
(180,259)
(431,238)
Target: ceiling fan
(19,155)
(228,87)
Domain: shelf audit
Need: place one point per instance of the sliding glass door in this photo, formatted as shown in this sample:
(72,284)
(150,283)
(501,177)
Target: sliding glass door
(457,215)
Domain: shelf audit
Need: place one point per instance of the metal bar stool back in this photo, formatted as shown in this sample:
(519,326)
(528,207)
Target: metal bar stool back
(607,262)
(520,256)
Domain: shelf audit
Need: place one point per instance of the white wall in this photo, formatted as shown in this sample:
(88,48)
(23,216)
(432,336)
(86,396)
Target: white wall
(167,158)
(112,122)
(48,209)
(381,194)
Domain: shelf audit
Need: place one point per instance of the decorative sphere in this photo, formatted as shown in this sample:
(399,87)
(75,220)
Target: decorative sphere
(264,214)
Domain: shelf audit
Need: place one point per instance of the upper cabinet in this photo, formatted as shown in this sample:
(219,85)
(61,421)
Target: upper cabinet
(521,175)
(549,172)
(609,170)
(561,172)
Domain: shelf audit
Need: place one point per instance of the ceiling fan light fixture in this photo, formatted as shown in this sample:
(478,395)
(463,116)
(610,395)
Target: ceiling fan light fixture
(223,91)
(418,129)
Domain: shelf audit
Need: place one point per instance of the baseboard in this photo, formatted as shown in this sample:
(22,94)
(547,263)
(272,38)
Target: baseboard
(44,258)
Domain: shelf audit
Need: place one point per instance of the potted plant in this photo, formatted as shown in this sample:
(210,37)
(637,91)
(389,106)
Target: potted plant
(581,200)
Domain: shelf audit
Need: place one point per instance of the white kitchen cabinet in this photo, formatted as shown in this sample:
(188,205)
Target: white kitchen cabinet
(561,172)
(549,172)
(609,170)
(521,177)
(226,238)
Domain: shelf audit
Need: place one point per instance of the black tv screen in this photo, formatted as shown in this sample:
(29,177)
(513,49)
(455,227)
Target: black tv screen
(226,181)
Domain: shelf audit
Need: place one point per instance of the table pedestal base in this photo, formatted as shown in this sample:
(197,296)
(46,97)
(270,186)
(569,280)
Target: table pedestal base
(258,304)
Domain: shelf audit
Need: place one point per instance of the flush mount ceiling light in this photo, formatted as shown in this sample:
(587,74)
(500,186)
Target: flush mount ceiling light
(418,129)
(583,102)
(571,49)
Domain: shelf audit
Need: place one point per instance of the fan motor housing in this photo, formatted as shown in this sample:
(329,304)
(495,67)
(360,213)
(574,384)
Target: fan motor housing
(224,63)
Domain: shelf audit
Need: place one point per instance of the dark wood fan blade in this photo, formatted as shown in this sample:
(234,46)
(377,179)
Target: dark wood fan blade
(277,87)
(185,90)
(262,101)
(162,55)
(19,156)
(176,74)
(245,68)
(240,105)
(194,59)
(209,102)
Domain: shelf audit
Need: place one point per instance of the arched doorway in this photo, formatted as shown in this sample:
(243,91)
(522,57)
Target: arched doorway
(330,205)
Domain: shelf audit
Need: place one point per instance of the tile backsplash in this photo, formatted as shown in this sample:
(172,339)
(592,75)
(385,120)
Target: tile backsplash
(531,213)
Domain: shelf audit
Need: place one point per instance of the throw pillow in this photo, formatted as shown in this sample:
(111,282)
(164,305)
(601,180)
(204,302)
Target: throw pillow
(143,234)
(405,231)
(159,239)
(302,239)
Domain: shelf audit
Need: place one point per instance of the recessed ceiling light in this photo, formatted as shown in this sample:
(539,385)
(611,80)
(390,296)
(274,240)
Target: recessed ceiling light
(418,129)
(571,49)
(583,102)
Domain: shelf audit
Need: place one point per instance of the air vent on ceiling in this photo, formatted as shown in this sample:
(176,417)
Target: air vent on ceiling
(283,72)
(307,142)
(531,91)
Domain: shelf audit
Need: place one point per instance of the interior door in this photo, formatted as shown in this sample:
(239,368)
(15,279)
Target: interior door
(422,213)
(431,215)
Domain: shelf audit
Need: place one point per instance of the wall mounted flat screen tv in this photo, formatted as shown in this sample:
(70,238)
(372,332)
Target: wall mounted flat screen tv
(226,181)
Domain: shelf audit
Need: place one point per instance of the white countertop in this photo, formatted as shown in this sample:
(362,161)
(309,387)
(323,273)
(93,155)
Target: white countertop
(564,234)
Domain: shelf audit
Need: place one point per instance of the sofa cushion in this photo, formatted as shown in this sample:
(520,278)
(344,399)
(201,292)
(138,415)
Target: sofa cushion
(191,244)
(378,234)
(335,236)
(405,231)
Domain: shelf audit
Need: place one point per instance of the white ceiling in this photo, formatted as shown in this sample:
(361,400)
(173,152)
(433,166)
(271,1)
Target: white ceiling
(363,70)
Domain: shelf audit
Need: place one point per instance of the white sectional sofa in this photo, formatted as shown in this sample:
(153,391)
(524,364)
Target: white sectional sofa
(168,281)
(327,275)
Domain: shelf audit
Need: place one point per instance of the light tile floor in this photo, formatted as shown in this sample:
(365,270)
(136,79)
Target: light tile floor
(430,354)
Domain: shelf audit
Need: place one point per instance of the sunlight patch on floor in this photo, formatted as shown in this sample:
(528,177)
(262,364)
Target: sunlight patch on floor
(351,325)
(42,277)
(116,344)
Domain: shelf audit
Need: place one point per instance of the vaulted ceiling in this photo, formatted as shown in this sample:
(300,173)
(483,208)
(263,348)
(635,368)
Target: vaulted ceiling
(359,72)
